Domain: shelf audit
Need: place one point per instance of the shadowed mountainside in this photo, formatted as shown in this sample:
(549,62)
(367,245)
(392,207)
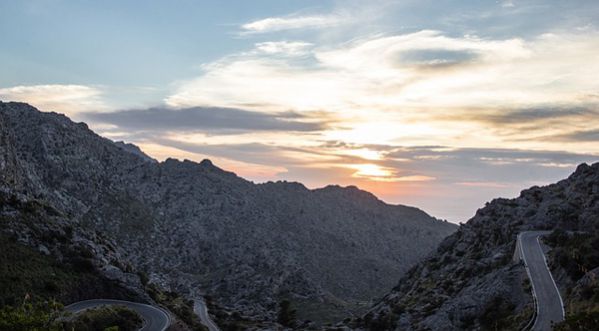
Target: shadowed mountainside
(196,228)
(471,282)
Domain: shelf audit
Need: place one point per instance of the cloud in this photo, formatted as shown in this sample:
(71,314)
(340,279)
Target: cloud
(528,123)
(69,99)
(482,184)
(536,114)
(473,165)
(206,119)
(579,136)
(419,88)
(273,24)
(538,127)
(408,51)
(507,4)
(437,57)
(409,70)
(289,48)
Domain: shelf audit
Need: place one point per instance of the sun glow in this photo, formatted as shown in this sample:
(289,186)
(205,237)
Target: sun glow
(372,171)
(375,172)
(365,153)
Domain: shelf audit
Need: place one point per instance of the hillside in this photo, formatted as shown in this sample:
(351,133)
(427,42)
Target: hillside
(472,282)
(47,260)
(197,229)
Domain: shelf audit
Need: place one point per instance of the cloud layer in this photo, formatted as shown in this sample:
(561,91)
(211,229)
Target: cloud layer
(418,70)
(205,119)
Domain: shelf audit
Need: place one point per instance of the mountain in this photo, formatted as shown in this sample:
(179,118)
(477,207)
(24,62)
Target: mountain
(198,230)
(471,282)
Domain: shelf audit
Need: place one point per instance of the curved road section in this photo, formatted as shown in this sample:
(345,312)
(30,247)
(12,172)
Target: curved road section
(199,307)
(155,319)
(549,304)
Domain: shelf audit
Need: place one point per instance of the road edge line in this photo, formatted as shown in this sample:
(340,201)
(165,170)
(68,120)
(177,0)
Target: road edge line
(552,279)
(534,293)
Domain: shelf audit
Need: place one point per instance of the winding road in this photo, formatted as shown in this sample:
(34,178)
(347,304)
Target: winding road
(548,301)
(199,307)
(155,319)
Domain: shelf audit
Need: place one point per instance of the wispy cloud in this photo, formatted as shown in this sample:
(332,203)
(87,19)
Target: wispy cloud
(508,4)
(289,48)
(591,135)
(273,24)
(482,184)
(536,114)
(543,123)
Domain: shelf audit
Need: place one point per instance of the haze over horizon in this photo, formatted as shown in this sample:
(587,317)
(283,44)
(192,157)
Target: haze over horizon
(438,104)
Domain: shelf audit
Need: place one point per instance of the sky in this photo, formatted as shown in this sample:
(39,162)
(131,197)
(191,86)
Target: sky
(439,104)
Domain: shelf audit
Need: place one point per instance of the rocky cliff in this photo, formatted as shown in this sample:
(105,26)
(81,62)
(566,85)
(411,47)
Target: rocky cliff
(195,228)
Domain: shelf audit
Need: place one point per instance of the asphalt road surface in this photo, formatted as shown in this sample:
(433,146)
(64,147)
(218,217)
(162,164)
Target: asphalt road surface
(155,319)
(550,307)
(199,307)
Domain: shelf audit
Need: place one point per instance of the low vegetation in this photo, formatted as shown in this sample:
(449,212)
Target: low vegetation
(579,322)
(578,255)
(32,316)
(111,317)
(26,272)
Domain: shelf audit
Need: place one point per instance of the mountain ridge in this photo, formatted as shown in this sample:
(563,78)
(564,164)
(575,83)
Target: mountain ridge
(197,229)
(471,282)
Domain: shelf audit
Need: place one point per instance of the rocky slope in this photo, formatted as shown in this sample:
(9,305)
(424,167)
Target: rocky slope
(472,283)
(46,255)
(196,228)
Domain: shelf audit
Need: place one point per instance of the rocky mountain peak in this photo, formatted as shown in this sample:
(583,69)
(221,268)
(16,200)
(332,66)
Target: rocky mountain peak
(206,163)
(134,149)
